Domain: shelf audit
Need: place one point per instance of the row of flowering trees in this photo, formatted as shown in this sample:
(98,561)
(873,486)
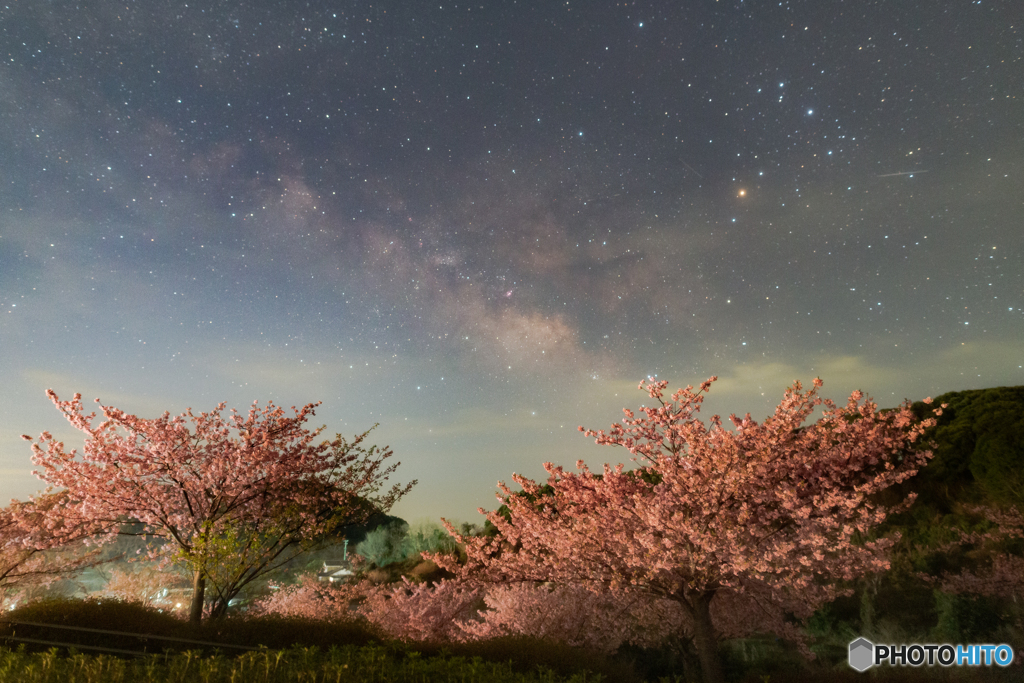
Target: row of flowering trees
(461,611)
(713,533)
(710,533)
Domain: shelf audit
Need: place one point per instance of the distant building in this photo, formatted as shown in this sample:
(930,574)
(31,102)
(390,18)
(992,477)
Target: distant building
(334,571)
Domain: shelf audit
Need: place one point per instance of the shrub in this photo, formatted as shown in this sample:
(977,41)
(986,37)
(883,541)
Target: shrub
(384,545)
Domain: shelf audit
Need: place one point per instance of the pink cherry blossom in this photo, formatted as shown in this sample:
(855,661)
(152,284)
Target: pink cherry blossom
(764,517)
(38,546)
(229,499)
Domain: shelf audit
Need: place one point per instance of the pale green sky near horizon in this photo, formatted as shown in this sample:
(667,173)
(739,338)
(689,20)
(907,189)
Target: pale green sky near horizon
(433,451)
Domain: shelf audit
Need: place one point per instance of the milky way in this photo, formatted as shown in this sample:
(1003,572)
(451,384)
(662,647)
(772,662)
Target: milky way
(480,225)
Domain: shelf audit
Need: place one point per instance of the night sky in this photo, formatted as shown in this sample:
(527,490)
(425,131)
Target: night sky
(482,224)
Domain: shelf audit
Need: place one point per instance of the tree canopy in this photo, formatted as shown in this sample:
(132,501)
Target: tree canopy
(742,528)
(229,497)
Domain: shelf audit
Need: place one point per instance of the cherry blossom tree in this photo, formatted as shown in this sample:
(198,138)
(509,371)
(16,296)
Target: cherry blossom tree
(421,611)
(230,499)
(577,616)
(404,610)
(310,598)
(37,548)
(146,585)
(768,515)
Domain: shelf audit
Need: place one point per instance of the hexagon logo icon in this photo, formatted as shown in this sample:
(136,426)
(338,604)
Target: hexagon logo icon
(862,654)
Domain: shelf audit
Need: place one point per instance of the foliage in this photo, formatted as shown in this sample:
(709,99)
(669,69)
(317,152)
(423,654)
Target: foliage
(955,559)
(367,664)
(989,586)
(229,508)
(964,618)
(979,443)
(385,544)
(380,664)
(396,542)
(110,614)
(428,537)
(356,533)
(525,656)
(962,535)
(273,631)
(767,516)
(978,460)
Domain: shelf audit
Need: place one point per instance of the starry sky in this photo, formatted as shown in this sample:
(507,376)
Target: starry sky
(481,224)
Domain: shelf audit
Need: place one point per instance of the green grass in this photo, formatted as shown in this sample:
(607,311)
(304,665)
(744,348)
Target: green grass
(350,663)
(376,663)
(302,650)
(113,615)
(521,656)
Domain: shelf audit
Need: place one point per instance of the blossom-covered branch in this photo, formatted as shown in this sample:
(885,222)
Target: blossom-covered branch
(769,513)
(231,498)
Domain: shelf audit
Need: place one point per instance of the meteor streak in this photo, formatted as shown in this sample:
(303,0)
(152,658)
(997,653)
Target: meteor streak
(889,175)
(692,169)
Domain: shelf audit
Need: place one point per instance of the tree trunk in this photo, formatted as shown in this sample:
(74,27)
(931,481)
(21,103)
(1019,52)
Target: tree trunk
(867,606)
(688,656)
(219,609)
(704,637)
(195,614)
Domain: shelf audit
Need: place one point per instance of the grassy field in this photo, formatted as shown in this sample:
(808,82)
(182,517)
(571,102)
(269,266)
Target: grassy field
(302,650)
(350,663)
(373,664)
